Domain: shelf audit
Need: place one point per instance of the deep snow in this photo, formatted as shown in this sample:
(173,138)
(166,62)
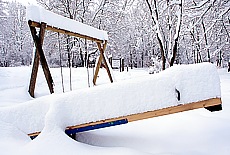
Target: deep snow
(152,92)
(193,132)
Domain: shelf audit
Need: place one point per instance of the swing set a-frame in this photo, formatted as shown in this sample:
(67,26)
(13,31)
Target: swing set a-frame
(39,53)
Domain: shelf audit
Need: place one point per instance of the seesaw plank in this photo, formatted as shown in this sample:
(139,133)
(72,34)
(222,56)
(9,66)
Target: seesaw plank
(135,117)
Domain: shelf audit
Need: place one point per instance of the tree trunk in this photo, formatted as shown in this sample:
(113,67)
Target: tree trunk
(206,40)
(174,52)
(162,53)
(155,20)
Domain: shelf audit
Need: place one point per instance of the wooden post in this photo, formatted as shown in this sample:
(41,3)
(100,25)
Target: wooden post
(122,65)
(229,66)
(111,61)
(97,69)
(38,40)
(102,58)
(33,77)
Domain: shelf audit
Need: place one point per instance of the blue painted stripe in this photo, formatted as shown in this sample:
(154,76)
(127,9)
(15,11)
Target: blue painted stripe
(97,126)
(93,127)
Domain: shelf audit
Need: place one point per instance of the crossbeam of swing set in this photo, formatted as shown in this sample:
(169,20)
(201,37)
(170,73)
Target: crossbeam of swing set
(62,31)
(39,53)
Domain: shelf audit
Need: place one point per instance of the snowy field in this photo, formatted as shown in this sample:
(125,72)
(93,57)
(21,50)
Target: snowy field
(196,132)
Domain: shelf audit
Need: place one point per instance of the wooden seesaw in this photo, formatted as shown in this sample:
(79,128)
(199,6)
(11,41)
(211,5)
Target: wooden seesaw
(213,104)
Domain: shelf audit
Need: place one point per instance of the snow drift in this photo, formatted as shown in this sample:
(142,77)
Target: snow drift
(194,82)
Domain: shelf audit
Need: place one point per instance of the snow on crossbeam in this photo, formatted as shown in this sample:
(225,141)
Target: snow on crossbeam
(57,23)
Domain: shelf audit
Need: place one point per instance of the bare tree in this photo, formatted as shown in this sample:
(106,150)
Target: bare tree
(168,33)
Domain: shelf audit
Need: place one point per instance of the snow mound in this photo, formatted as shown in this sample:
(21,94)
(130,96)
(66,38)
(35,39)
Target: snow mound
(58,143)
(11,137)
(194,82)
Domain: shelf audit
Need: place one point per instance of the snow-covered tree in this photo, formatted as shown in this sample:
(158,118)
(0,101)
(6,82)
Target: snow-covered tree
(141,32)
(207,30)
(167,20)
(15,44)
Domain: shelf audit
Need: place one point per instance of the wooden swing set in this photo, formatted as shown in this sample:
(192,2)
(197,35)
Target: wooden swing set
(39,53)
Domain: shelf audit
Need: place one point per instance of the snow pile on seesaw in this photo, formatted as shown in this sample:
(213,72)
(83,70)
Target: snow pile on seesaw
(194,82)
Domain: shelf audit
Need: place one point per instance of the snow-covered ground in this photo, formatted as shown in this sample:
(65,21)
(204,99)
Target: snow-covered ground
(196,132)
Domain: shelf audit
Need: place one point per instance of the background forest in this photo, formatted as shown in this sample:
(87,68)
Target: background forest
(144,33)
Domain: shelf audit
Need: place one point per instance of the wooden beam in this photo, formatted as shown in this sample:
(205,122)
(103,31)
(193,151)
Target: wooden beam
(44,64)
(54,29)
(33,77)
(154,113)
(38,44)
(102,50)
(102,58)
(175,109)
(97,69)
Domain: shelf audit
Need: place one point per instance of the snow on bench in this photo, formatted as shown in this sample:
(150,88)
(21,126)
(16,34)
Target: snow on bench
(121,102)
(38,15)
